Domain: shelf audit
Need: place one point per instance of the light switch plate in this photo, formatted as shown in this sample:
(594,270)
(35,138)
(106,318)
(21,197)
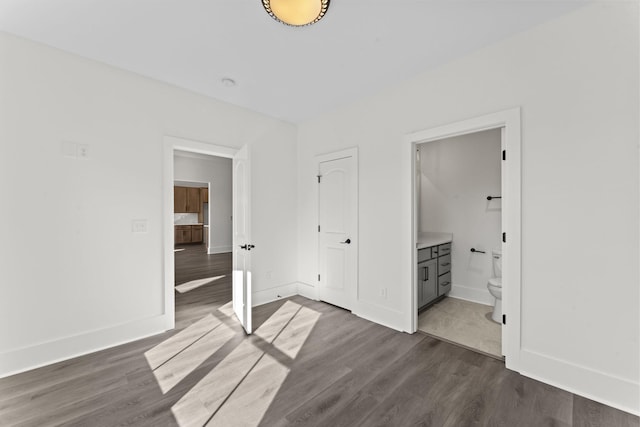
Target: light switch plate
(69,149)
(139,226)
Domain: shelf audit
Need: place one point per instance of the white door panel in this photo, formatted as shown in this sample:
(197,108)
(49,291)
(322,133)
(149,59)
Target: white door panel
(336,268)
(337,203)
(242,239)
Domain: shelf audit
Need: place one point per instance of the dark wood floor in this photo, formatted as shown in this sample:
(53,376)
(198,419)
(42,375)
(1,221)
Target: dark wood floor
(340,370)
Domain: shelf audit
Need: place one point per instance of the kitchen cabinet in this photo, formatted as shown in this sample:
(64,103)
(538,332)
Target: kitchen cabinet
(188,234)
(204,195)
(182,234)
(179,199)
(193,200)
(196,234)
(186,200)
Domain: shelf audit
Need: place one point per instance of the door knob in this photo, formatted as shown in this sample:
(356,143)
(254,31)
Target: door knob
(243,247)
(347,242)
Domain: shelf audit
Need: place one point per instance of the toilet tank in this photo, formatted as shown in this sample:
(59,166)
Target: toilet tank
(496,255)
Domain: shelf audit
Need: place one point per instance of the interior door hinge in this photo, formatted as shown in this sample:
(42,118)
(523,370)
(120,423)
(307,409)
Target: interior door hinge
(318,277)
(504,237)
(504,319)
(319,176)
(318,229)
(504,154)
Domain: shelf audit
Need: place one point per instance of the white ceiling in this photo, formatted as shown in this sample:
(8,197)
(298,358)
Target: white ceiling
(360,47)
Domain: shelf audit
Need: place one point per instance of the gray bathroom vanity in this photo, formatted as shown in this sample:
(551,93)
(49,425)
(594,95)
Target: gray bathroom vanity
(434,267)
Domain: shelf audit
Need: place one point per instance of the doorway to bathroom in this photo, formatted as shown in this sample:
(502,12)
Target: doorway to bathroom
(459,242)
(459,217)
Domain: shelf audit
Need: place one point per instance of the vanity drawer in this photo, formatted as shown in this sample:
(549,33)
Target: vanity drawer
(424,254)
(444,264)
(444,283)
(444,249)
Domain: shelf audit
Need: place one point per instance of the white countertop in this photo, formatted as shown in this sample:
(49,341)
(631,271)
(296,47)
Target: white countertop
(429,238)
(197,223)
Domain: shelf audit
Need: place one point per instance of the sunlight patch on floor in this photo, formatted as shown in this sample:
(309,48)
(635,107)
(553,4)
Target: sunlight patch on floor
(278,320)
(176,369)
(239,390)
(249,402)
(205,398)
(178,342)
(294,335)
(194,284)
(227,309)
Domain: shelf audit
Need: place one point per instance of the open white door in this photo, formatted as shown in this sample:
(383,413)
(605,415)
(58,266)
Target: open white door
(242,238)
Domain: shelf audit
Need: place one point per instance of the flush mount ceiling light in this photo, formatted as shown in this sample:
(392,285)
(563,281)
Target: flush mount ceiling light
(296,13)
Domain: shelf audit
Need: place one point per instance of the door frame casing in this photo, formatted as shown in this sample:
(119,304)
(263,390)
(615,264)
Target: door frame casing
(170,145)
(510,121)
(337,155)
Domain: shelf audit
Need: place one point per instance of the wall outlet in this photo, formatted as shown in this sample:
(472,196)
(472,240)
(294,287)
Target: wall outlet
(139,226)
(83,151)
(383,292)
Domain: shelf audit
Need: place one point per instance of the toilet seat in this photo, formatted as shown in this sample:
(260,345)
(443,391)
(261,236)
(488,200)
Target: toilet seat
(496,281)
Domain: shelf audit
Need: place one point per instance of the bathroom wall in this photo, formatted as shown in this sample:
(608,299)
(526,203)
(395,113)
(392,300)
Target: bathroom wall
(457,175)
(217,172)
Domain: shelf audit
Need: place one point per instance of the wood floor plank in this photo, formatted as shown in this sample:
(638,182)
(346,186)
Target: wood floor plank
(587,413)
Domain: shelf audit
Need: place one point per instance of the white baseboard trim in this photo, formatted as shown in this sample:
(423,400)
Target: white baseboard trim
(272,294)
(380,315)
(613,391)
(28,358)
(481,296)
(212,250)
(308,291)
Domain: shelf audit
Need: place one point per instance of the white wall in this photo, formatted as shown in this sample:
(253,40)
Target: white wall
(77,279)
(576,79)
(457,175)
(217,172)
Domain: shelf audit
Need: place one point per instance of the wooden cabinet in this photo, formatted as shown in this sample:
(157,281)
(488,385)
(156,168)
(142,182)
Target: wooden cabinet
(182,234)
(188,234)
(179,199)
(204,195)
(186,199)
(193,199)
(196,234)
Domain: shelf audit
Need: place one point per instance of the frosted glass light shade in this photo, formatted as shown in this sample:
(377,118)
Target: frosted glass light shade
(296,13)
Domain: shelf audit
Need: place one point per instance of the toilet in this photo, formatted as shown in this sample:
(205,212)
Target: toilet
(495,285)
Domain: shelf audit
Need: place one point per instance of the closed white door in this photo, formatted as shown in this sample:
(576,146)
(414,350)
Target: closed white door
(337,204)
(242,246)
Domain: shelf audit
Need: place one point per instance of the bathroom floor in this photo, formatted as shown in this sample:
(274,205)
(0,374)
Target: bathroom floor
(463,322)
